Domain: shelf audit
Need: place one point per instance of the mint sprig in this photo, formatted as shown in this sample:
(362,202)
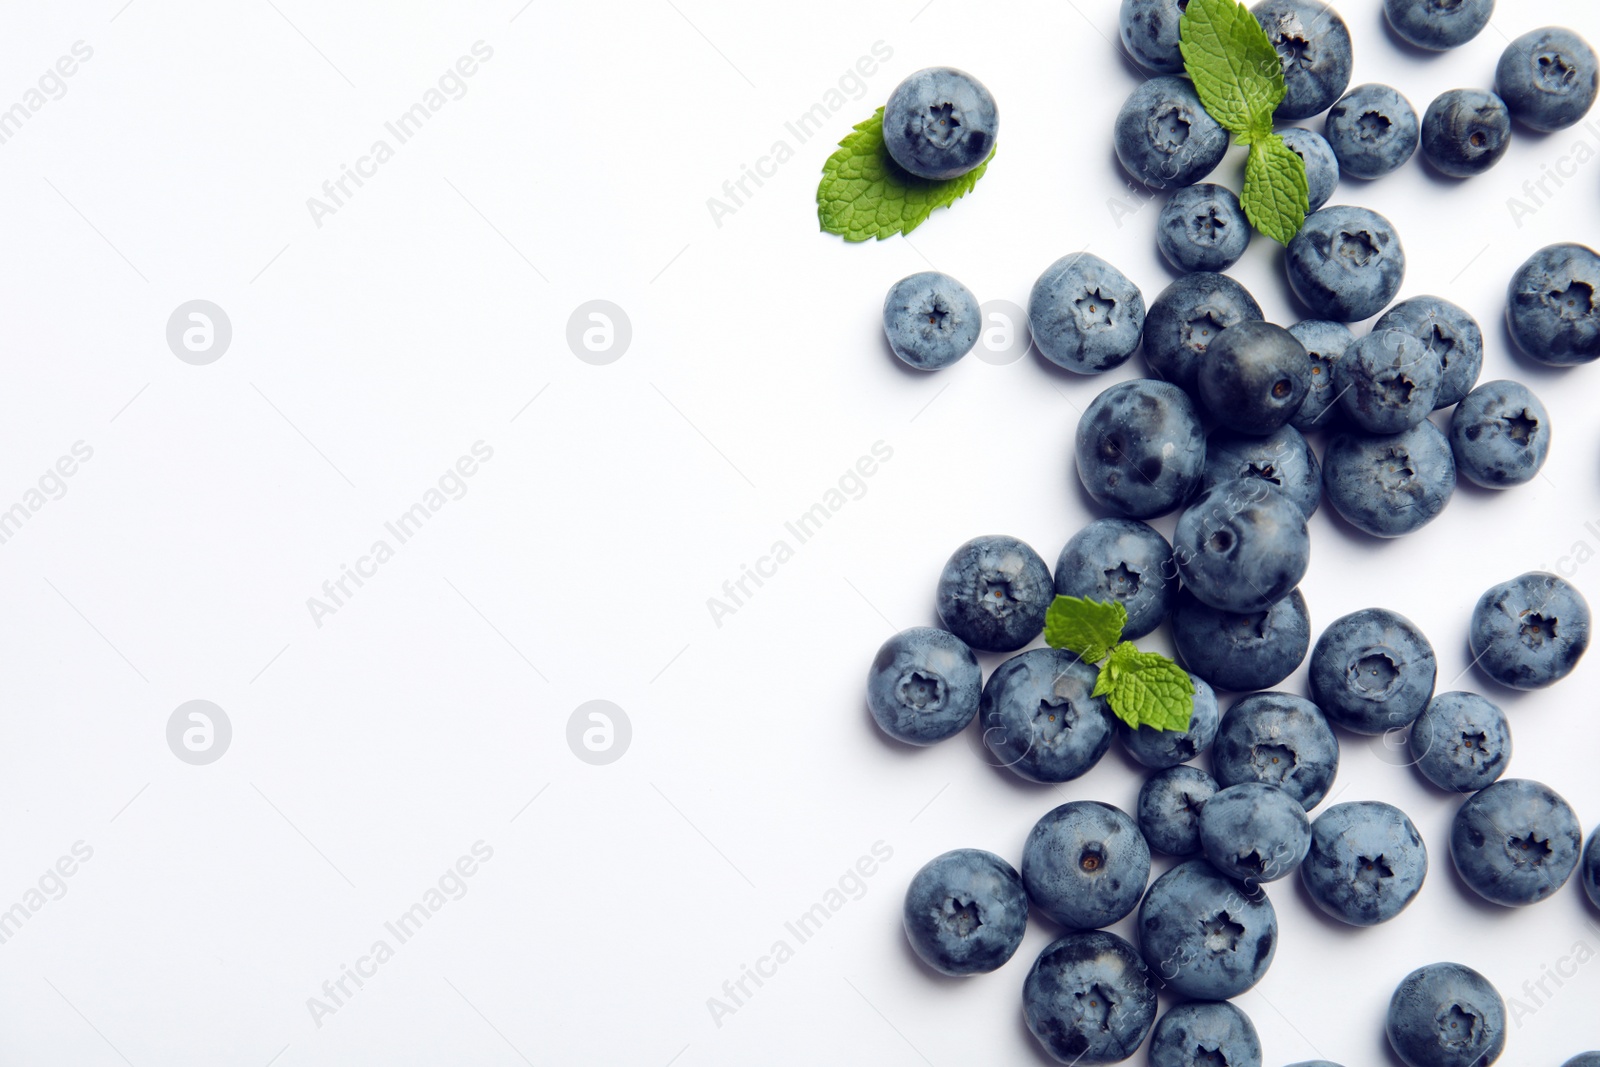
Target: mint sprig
(1142,688)
(1239,79)
(865,194)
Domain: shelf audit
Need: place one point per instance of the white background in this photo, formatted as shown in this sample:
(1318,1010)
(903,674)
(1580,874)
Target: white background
(371,351)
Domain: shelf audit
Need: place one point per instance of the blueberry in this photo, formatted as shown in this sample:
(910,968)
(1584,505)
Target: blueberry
(1465,132)
(1085,314)
(1123,560)
(1584,1059)
(1461,742)
(994,592)
(1372,671)
(1089,999)
(965,912)
(1168,748)
(1438,25)
(1388,382)
(1202,227)
(1254,832)
(1169,808)
(1449,331)
(1039,719)
(1515,842)
(1389,485)
(1242,652)
(1184,320)
(1165,138)
(1447,1015)
(1500,435)
(1531,631)
(1547,78)
(1366,863)
(940,123)
(1205,1033)
(1254,377)
(1322,166)
(1205,935)
(1346,263)
(923,686)
(1313,44)
(1326,343)
(1279,740)
(1372,130)
(1551,305)
(1315,1063)
(931,320)
(1242,546)
(1149,30)
(1591,861)
(1140,448)
(1282,459)
(1085,864)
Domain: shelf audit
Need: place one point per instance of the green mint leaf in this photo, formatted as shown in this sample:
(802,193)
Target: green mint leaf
(1236,71)
(1146,689)
(865,194)
(1087,628)
(1275,197)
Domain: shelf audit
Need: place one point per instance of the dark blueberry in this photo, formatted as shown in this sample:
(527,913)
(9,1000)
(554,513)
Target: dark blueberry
(1372,671)
(966,912)
(1168,748)
(1584,1059)
(1447,1015)
(1202,227)
(1085,314)
(1277,739)
(1123,560)
(923,686)
(1531,631)
(1366,862)
(1548,78)
(1345,264)
(1461,742)
(1438,25)
(1254,832)
(1551,305)
(940,123)
(1326,343)
(1149,30)
(1322,166)
(1465,132)
(1254,377)
(1169,808)
(1591,863)
(1242,652)
(1205,1034)
(1165,138)
(1388,485)
(1140,448)
(1242,546)
(1372,130)
(994,592)
(1515,842)
(1500,435)
(1184,320)
(1204,935)
(1313,43)
(1283,460)
(1085,864)
(931,320)
(1089,999)
(1388,382)
(1450,332)
(1039,719)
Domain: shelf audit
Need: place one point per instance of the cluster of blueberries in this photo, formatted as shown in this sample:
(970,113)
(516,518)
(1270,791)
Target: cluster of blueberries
(1228,580)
